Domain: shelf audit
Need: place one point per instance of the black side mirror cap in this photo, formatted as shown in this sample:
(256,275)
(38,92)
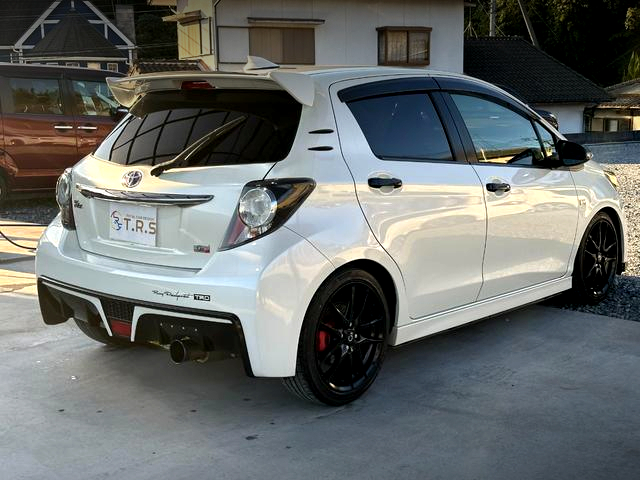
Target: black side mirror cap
(571,153)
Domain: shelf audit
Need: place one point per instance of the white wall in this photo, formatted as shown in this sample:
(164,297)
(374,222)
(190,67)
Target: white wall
(570,117)
(348,35)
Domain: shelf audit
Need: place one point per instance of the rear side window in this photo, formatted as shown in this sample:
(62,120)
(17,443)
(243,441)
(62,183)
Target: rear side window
(402,127)
(36,96)
(93,98)
(163,124)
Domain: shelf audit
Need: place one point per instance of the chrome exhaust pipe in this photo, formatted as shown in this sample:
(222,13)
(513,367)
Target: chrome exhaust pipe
(187,350)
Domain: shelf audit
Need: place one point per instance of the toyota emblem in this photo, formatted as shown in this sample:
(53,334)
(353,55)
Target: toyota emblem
(132,178)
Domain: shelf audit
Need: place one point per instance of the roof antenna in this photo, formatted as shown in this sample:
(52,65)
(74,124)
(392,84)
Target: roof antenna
(259,63)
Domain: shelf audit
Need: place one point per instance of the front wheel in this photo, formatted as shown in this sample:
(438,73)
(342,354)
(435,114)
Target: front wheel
(597,261)
(343,340)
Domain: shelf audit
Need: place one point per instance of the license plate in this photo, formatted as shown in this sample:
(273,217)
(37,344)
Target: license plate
(133,223)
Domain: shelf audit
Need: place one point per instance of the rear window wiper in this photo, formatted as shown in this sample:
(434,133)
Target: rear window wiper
(184,157)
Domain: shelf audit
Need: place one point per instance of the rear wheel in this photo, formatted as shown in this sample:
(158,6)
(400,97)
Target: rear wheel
(99,334)
(597,261)
(343,340)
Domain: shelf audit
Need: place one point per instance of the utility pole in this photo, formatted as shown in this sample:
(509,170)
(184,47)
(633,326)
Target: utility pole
(527,20)
(492,19)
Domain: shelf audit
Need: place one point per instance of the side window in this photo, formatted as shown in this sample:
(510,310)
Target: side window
(92,98)
(36,95)
(402,127)
(548,141)
(499,134)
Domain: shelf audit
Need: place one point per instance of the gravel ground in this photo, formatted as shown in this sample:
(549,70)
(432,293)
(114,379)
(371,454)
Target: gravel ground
(624,301)
(622,158)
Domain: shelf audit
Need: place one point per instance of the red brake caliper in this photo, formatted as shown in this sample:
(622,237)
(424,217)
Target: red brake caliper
(323,341)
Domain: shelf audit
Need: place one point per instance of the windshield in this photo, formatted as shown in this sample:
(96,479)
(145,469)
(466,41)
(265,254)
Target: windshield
(163,124)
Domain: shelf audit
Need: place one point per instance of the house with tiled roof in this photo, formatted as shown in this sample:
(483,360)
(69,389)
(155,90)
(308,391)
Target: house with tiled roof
(535,77)
(416,33)
(622,112)
(154,66)
(65,32)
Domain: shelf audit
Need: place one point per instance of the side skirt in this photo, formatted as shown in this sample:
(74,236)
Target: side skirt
(449,319)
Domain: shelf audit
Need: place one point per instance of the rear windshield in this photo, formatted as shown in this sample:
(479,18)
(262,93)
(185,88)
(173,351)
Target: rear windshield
(163,124)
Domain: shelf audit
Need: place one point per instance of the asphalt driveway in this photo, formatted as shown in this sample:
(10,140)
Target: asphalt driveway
(539,393)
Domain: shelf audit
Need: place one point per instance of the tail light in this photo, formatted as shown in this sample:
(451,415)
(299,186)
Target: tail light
(264,206)
(64,199)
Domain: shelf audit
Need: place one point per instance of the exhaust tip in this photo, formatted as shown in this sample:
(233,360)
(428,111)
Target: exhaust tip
(187,350)
(178,351)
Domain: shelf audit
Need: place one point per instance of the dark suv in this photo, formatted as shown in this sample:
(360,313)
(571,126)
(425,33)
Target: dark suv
(51,116)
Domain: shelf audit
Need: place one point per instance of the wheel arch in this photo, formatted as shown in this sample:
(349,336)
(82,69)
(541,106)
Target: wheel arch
(385,279)
(617,223)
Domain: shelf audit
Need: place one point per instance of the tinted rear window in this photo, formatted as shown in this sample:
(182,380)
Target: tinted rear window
(163,124)
(404,126)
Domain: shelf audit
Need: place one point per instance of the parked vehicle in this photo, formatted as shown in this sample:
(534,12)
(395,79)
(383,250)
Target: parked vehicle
(305,220)
(50,117)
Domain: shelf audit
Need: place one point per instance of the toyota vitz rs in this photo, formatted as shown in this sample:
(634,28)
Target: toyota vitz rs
(304,220)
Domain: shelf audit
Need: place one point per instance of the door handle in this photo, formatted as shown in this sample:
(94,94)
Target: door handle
(63,127)
(498,187)
(379,182)
(87,127)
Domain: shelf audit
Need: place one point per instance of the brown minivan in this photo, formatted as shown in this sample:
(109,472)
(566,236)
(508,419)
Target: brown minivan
(51,117)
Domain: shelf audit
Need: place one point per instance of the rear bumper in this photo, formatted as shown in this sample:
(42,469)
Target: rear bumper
(261,289)
(144,322)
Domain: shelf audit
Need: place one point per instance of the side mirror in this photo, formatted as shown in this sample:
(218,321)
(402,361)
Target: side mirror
(119,113)
(571,153)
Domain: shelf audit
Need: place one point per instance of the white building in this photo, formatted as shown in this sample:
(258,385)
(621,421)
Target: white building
(321,32)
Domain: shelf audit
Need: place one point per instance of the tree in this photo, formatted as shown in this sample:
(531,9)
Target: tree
(594,38)
(155,38)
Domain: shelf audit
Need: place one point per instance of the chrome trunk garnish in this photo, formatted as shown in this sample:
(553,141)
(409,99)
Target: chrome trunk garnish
(152,198)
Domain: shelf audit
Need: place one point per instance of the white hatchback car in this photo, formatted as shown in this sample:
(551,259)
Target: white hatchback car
(304,220)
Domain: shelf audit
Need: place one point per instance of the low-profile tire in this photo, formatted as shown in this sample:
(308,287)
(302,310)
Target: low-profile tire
(343,340)
(597,261)
(99,334)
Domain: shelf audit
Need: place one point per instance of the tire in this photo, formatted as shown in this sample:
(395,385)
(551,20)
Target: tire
(99,334)
(597,261)
(343,340)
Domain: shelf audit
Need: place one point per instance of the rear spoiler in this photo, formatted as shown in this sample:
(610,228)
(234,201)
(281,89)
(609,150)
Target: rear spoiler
(127,90)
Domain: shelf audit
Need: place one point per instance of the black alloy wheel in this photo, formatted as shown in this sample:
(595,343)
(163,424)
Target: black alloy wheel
(597,261)
(343,340)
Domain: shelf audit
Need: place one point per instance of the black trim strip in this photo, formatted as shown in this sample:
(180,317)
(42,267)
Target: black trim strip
(324,148)
(235,321)
(322,131)
(385,87)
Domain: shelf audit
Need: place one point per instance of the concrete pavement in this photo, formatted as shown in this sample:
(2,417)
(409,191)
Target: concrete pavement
(535,394)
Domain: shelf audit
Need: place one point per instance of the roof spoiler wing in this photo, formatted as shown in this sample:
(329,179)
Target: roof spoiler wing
(127,90)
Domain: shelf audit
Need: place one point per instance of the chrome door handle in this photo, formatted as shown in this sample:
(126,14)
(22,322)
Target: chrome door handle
(379,182)
(87,127)
(63,127)
(498,187)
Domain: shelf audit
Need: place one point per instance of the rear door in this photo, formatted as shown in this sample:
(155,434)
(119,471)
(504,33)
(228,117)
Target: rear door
(532,206)
(423,201)
(93,108)
(38,129)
